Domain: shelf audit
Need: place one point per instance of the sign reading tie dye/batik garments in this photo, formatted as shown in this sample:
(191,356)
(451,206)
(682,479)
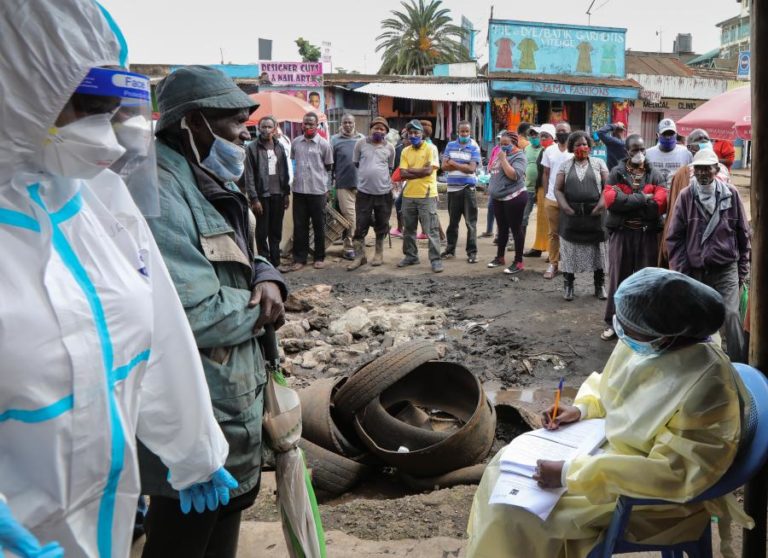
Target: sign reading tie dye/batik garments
(553,49)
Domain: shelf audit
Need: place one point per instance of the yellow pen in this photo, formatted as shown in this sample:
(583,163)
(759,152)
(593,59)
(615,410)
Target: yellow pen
(558,393)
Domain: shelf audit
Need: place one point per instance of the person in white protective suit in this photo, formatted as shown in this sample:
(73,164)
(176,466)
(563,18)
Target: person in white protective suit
(95,347)
(673,406)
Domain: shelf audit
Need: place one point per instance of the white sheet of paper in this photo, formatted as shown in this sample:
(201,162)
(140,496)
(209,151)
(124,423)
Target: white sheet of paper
(585,434)
(521,454)
(516,490)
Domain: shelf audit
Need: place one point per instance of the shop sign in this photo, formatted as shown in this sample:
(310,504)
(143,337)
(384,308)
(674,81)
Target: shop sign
(673,104)
(546,48)
(742,69)
(551,89)
(652,96)
(307,74)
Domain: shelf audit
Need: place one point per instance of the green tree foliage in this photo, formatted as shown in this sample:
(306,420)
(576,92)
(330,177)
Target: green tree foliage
(418,37)
(308,51)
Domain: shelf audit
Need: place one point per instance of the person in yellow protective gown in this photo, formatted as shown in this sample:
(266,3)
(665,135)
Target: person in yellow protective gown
(671,402)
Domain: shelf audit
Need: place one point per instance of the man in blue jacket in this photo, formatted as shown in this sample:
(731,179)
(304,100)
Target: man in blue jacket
(206,236)
(612,136)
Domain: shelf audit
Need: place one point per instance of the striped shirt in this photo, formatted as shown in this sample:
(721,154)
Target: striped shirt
(463,153)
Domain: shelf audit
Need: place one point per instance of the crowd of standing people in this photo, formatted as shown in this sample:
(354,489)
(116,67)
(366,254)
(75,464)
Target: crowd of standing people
(608,219)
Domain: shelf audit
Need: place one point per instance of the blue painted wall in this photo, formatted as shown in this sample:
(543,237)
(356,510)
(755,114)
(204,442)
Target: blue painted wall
(547,48)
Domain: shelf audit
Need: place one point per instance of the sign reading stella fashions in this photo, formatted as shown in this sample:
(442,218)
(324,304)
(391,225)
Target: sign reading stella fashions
(309,74)
(555,90)
(546,48)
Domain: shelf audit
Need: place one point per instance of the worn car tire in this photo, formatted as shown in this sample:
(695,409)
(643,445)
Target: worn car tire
(318,424)
(376,376)
(332,473)
(437,385)
(466,475)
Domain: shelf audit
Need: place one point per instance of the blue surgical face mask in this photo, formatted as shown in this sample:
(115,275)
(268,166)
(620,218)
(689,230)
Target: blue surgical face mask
(463,139)
(226,159)
(667,143)
(506,148)
(415,141)
(642,348)
(705,145)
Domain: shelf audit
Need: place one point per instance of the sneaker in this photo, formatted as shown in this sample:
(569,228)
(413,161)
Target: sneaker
(486,235)
(551,271)
(421,236)
(516,267)
(405,262)
(532,253)
(446,255)
(397,233)
(608,334)
(348,255)
(437,266)
(319,265)
(496,262)
(472,258)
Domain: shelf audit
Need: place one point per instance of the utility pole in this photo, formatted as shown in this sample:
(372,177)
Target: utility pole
(756,492)
(589,12)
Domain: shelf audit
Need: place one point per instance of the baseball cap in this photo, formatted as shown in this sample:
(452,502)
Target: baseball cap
(414,125)
(705,158)
(666,125)
(549,129)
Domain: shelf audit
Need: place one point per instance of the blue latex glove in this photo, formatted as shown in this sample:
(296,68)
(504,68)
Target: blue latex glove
(18,540)
(208,494)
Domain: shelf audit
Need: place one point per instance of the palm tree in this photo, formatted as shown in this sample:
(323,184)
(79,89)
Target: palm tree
(417,38)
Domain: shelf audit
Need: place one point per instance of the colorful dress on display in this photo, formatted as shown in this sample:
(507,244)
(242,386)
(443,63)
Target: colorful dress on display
(513,116)
(621,112)
(528,110)
(608,63)
(527,48)
(504,54)
(584,64)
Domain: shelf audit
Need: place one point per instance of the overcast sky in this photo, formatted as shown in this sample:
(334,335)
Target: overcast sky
(184,32)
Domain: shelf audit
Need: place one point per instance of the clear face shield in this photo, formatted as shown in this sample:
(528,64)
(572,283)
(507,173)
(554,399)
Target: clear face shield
(131,124)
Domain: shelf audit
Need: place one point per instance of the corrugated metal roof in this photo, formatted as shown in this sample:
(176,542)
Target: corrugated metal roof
(656,65)
(458,92)
(714,53)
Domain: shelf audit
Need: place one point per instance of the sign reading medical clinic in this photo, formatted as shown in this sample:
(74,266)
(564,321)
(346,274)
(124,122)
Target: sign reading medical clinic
(546,48)
(307,74)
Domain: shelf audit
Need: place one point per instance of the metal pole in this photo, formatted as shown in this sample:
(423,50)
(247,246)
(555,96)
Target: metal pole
(756,492)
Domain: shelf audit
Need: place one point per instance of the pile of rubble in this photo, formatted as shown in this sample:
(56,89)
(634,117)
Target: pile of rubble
(315,343)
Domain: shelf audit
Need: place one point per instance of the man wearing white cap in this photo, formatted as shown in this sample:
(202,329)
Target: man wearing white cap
(667,156)
(708,239)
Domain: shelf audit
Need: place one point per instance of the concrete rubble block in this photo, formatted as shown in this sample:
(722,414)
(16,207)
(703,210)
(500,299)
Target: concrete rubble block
(342,339)
(308,298)
(292,346)
(292,330)
(309,360)
(354,321)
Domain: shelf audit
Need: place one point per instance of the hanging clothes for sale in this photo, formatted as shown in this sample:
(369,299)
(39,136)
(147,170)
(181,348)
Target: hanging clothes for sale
(439,121)
(513,116)
(488,124)
(449,120)
(558,113)
(476,120)
(528,110)
(621,112)
(599,114)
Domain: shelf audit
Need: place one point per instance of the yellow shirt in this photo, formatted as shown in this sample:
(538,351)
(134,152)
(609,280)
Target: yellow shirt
(416,159)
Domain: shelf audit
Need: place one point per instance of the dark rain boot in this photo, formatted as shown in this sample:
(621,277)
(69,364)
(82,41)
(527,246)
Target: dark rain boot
(568,280)
(600,293)
(378,256)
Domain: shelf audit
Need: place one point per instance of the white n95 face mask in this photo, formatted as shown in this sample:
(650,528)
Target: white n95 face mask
(81,149)
(134,134)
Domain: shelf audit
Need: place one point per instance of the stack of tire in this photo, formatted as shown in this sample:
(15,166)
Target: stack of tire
(382,416)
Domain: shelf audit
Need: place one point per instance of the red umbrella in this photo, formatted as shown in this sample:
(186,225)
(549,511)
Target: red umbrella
(728,116)
(285,108)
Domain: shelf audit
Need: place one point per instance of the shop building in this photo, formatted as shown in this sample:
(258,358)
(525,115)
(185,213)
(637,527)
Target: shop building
(543,72)
(670,89)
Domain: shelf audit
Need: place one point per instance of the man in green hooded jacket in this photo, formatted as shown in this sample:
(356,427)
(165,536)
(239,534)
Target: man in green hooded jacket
(206,235)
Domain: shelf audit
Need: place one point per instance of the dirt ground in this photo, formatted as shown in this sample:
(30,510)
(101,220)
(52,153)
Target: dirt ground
(532,339)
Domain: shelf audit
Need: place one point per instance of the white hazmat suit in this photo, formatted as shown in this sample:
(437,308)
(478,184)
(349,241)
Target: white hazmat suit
(95,347)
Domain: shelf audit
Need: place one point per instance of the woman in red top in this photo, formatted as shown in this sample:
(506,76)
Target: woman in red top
(725,152)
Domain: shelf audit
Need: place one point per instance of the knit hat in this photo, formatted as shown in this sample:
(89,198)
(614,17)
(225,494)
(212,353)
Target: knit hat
(513,136)
(414,125)
(380,120)
(197,87)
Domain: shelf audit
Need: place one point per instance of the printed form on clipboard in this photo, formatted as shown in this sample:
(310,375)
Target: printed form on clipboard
(515,485)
